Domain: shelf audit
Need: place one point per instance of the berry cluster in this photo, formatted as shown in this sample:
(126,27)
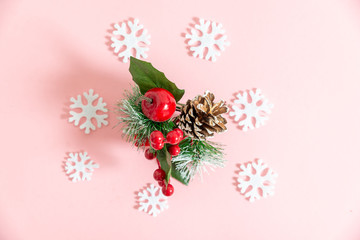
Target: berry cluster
(157,142)
(159,176)
(173,138)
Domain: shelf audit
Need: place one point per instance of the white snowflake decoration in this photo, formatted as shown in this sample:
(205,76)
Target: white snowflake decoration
(88,111)
(213,39)
(131,40)
(80,170)
(262,180)
(152,200)
(255,110)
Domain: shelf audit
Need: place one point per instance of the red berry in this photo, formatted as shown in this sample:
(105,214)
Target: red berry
(137,143)
(157,146)
(161,107)
(159,174)
(180,132)
(149,155)
(168,191)
(161,183)
(173,137)
(174,150)
(156,137)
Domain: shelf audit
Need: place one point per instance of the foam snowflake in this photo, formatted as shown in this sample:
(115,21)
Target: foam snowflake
(213,39)
(256,184)
(253,110)
(152,200)
(89,111)
(133,40)
(80,170)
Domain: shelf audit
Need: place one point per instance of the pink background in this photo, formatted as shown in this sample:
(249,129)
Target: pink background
(303,54)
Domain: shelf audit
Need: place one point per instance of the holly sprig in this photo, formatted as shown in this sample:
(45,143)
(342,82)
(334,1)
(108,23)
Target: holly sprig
(148,77)
(137,129)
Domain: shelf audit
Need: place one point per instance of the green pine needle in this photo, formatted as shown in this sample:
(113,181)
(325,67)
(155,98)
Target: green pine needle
(197,156)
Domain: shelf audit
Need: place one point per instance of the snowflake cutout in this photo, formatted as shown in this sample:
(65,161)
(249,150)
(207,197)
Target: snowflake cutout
(252,183)
(152,200)
(253,110)
(80,170)
(88,111)
(131,41)
(211,39)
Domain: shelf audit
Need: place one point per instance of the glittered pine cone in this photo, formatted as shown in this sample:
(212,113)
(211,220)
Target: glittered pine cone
(201,117)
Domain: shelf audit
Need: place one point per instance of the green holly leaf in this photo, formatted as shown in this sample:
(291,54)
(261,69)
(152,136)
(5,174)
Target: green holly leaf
(148,77)
(177,175)
(164,158)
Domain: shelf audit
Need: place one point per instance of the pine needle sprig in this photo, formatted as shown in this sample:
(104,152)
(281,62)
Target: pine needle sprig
(197,156)
(135,125)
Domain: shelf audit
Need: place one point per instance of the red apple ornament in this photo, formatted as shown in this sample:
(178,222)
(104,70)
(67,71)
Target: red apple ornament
(159,106)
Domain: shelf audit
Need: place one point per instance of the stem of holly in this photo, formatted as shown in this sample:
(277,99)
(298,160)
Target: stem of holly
(141,98)
(157,160)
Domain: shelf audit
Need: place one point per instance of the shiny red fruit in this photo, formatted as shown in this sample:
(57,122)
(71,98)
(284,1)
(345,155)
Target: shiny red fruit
(168,191)
(161,183)
(157,146)
(156,137)
(174,150)
(180,132)
(159,174)
(149,155)
(137,143)
(161,107)
(173,137)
